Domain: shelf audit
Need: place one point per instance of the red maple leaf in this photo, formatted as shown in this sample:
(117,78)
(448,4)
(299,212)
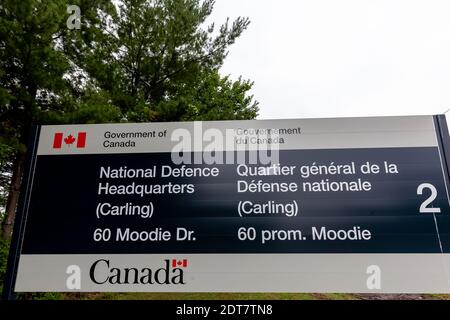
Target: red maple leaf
(69,139)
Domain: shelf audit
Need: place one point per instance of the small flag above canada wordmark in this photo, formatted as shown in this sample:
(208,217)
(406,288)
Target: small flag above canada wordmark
(69,140)
(179,263)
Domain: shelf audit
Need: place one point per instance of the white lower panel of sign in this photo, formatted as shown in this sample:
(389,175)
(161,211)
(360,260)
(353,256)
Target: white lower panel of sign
(359,273)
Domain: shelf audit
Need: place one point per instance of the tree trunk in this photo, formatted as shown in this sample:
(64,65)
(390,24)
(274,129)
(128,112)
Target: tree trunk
(13,196)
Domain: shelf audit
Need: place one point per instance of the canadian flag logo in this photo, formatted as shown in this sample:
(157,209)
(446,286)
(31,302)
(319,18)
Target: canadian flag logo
(69,140)
(179,263)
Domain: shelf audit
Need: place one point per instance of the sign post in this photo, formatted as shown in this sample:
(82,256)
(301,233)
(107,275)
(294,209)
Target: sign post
(316,205)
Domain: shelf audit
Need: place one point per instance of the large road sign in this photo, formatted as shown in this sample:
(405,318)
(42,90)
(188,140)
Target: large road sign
(316,205)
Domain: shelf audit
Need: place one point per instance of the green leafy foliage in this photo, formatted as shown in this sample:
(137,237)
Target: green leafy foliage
(7,152)
(4,251)
(212,98)
(157,61)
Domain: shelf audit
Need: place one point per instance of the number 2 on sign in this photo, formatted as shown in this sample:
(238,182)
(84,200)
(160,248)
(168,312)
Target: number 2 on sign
(424,206)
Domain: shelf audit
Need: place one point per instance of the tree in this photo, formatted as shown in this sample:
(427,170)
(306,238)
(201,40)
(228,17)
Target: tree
(140,60)
(155,53)
(28,66)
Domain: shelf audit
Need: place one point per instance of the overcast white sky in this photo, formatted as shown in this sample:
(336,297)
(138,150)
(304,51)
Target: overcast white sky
(334,58)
